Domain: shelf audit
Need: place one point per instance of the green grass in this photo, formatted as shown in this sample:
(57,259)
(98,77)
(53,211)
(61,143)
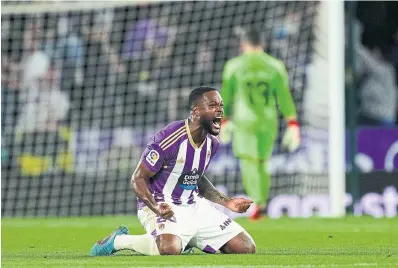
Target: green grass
(65,242)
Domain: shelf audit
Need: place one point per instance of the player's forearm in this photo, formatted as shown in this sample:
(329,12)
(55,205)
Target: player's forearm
(208,191)
(287,106)
(288,113)
(140,187)
(284,95)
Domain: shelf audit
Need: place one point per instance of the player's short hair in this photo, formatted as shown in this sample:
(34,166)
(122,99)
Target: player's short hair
(252,35)
(197,93)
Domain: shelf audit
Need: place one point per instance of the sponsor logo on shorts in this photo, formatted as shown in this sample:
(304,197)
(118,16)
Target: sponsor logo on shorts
(152,157)
(225,223)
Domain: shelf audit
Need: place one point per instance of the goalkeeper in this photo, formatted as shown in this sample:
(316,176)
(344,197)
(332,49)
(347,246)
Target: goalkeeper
(254,85)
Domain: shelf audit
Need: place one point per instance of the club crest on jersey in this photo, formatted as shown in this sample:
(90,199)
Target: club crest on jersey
(188,181)
(152,157)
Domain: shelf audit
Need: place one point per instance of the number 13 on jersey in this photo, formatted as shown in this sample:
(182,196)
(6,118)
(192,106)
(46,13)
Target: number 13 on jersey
(258,92)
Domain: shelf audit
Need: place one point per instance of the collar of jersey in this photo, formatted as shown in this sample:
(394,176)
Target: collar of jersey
(253,52)
(190,137)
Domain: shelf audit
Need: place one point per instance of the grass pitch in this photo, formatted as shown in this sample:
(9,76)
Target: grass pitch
(66,242)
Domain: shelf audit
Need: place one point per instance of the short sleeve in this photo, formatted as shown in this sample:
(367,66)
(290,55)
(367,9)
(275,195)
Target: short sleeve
(153,157)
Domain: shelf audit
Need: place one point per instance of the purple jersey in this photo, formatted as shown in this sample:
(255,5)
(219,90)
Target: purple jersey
(177,162)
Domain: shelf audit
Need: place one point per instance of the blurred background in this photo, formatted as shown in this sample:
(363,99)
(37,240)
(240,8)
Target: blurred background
(83,87)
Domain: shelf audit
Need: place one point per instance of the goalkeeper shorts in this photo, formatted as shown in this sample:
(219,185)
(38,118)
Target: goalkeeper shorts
(253,145)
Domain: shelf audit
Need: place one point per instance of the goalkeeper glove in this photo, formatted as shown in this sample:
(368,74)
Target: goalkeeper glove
(291,139)
(227,128)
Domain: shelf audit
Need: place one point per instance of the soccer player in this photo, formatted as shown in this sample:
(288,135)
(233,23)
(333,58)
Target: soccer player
(173,192)
(254,84)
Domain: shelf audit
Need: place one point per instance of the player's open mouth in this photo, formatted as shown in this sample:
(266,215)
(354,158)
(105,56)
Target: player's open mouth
(217,122)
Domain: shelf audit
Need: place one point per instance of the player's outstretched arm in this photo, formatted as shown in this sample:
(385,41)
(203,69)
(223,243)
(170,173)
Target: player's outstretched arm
(208,191)
(139,183)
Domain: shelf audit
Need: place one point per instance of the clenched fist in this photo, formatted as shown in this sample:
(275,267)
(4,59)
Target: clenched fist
(239,205)
(164,210)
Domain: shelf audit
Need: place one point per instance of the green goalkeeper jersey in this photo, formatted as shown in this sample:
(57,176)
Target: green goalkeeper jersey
(254,85)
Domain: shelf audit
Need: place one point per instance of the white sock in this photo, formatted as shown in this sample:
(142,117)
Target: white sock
(144,244)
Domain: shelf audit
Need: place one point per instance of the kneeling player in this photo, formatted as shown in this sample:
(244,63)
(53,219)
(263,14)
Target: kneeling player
(173,192)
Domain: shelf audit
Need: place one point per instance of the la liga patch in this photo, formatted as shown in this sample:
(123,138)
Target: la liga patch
(152,157)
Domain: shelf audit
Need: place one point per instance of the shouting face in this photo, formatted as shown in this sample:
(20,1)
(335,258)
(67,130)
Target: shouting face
(211,110)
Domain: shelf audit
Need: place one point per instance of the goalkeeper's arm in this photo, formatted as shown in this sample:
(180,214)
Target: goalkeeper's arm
(227,94)
(291,139)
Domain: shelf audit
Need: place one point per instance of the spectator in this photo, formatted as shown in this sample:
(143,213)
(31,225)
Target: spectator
(204,63)
(43,148)
(35,63)
(378,88)
(102,71)
(10,106)
(10,92)
(66,48)
(150,42)
(46,107)
(204,56)
(143,37)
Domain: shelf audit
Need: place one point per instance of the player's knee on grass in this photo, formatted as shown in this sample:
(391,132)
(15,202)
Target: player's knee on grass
(240,244)
(168,244)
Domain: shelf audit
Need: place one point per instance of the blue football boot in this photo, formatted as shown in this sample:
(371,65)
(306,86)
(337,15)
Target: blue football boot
(105,247)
